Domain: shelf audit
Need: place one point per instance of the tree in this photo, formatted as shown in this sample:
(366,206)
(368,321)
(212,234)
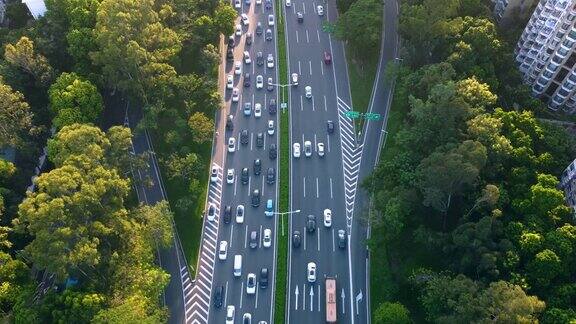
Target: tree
(135,48)
(185,167)
(23,56)
(74,100)
(476,94)
(545,266)
(201,126)
(389,312)
(224,17)
(15,116)
(361,26)
(132,310)
(507,303)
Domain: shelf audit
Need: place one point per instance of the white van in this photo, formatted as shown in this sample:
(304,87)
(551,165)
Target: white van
(237,265)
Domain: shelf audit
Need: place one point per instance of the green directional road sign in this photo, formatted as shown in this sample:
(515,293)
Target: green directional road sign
(352,114)
(372,116)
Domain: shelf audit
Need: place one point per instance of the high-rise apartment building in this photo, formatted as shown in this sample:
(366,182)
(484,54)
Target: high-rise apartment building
(568,184)
(545,53)
(506,10)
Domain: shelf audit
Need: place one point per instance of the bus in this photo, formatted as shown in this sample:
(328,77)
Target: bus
(331,300)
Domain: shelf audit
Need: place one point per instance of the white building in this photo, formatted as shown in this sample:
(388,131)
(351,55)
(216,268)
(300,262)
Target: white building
(506,10)
(545,53)
(36,7)
(568,184)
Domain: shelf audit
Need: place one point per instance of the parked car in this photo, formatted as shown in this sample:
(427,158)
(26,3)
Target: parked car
(211,212)
(229,82)
(230,122)
(231,144)
(214,174)
(245,20)
(247,59)
(235,95)
(238,68)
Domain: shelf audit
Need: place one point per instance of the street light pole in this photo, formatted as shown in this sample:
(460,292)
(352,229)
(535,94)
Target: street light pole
(285,213)
(282,86)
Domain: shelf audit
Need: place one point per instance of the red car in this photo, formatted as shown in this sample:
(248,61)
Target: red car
(327,57)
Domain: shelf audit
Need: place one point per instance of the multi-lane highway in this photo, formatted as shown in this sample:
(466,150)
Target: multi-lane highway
(226,191)
(319,183)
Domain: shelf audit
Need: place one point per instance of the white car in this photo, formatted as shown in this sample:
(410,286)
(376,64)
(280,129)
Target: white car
(270,127)
(231,145)
(320,10)
(294,79)
(267,239)
(308,149)
(238,68)
(270,61)
(237,4)
(296,150)
(320,149)
(247,59)
(251,284)
(327,217)
(240,214)
(211,212)
(230,176)
(223,250)
(270,20)
(288,3)
(245,20)
(311,273)
(229,81)
(308,92)
(235,95)
(257,110)
(214,174)
(238,30)
(230,312)
(259,82)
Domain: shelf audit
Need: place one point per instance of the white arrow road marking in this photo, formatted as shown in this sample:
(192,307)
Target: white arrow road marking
(311,298)
(343,296)
(358,299)
(296,293)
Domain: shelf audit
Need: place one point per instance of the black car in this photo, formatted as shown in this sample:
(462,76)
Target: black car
(227,214)
(230,122)
(245,175)
(272,106)
(244,137)
(272,152)
(271,176)
(260,140)
(257,167)
(259,28)
(259,58)
(263,278)
(330,126)
(253,239)
(300,16)
(231,42)
(296,239)
(230,55)
(255,198)
(341,239)
(218,296)
(246,80)
(311,223)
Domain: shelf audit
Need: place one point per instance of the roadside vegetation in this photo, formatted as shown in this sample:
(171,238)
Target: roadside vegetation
(284,175)
(72,71)
(470,225)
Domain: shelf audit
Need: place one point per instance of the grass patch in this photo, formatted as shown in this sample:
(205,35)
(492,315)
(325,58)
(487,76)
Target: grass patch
(284,176)
(361,75)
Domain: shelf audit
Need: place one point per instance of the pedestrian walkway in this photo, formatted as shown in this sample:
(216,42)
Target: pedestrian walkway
(351,157)
(198,307)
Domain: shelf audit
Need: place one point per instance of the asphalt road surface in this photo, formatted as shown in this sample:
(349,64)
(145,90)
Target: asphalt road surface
(319,183)
(260,304)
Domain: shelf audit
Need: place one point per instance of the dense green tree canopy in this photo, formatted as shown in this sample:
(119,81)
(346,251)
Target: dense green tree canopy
(15,116)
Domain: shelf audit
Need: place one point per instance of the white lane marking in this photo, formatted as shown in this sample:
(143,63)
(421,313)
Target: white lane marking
(260,242)
(331,195)
(251,140)
(249,184)
(245,236)
(304,182)
(256,305)
(304,234)
(314,6)
(321,67)
(226,294)
(301,103)
(313,106)
(328,140)
(317,189)
(310,65)
(241,292)
(303,8)
(315,142)
(333,241)
(318,239)
(304,296)
(231,234)
(318,297)
(264,147)
(302,140)
(318,34)
(307,37)
(294,9)
(297,37)
(299,69)
(263,187)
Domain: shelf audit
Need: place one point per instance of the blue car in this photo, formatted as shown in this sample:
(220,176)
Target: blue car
(247,108)
(269,208)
